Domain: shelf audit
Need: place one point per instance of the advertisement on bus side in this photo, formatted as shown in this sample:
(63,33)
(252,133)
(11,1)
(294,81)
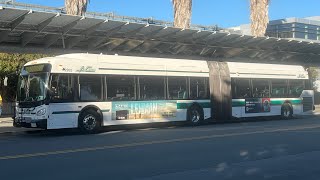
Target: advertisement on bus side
(143,110)
(257,105)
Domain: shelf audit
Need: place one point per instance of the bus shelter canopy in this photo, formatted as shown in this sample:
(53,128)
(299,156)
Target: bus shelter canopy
(30,31)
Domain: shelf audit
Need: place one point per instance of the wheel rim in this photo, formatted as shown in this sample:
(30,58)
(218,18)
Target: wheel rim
(195,116)
(89,122)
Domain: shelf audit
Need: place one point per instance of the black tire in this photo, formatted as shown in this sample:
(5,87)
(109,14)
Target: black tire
(286,111)
(195,115)
(89,121)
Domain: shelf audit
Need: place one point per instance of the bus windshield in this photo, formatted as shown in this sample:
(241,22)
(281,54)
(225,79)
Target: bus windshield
(32,87)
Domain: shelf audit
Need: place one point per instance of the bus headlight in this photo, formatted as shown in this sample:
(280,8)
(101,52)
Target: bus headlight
(41,112)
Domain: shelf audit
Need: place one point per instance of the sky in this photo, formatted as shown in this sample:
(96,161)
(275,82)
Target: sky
(224,13)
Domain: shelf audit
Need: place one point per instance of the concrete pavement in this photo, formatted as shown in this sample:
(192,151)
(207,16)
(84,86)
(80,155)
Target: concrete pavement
(281,149)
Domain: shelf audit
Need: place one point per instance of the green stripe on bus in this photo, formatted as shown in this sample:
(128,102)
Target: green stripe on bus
(242,102)
(238,103)
(186,105)
(281,101)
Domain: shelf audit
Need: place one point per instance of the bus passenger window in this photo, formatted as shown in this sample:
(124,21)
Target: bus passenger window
(62,88)
(199,88)
(151,88)
(90,88)
(279,88)
(296,86)
(261,88)
(240,88)
(122,88)
(177,88)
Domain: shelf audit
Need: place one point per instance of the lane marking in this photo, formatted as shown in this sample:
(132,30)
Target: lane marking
(150,143)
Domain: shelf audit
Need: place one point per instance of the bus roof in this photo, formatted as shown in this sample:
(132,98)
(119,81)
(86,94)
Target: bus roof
(273,71)
(84,63)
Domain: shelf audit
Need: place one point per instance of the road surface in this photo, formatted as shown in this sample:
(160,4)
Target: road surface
(273,149)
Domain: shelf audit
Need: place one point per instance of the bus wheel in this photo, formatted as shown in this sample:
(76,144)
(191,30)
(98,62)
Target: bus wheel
(195,115)
(89,121)
(286,111)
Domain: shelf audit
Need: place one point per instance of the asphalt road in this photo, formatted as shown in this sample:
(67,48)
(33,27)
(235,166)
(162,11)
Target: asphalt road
(282,149)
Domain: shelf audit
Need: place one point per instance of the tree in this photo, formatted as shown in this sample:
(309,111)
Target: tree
(259,10)
(313,76)
(10,65)
(182,13)
(76,7)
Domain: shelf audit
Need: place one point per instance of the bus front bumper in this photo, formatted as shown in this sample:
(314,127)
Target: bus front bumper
(41,123)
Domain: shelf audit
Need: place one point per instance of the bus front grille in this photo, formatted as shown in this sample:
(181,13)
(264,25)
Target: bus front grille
(307,103)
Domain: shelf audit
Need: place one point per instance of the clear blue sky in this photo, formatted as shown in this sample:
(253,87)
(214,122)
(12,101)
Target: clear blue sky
(225,13)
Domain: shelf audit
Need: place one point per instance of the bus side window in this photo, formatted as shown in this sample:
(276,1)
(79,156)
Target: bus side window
(198,88)
(261,88)
(240,88)
(296,86)
(90,88)
(151,87)
(62,88)
(177,88)
(121,88)
(279,88)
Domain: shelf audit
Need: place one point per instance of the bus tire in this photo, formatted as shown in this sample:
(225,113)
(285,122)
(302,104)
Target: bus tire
(89,121)
(286,111)
(195,115)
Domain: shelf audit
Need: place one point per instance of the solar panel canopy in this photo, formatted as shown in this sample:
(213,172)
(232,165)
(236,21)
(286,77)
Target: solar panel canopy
(29,31)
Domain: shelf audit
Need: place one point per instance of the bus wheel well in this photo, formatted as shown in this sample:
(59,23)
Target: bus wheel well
(286,110)
(287,102)
(195,114)
(197,105)
(92,107)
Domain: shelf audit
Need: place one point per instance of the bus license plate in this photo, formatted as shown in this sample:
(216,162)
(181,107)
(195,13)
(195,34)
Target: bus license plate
(33,125)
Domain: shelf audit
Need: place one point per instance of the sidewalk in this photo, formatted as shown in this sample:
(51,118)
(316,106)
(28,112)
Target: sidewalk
(317,110)
(7,127)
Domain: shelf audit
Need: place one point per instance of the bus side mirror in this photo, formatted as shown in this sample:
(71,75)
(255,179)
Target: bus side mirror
(5,81)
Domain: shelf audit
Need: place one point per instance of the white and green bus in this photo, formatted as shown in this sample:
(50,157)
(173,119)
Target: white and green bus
(87,91)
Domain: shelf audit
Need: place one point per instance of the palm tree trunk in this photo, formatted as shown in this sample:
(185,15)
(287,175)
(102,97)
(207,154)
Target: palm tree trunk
(182,13)
(259,17)
(76,7)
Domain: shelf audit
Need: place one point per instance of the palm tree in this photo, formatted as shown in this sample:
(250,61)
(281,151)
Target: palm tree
(259,16)
(76,7)
(182,13)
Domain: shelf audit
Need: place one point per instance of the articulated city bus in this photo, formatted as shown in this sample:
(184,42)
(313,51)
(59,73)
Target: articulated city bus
(87,91)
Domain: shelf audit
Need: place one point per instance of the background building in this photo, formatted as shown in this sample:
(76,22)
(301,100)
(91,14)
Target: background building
(295,28)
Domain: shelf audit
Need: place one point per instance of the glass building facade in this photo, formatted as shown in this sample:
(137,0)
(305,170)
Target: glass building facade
(295,28)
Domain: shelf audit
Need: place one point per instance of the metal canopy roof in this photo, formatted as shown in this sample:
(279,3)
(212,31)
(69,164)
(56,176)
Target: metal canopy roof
(23,30)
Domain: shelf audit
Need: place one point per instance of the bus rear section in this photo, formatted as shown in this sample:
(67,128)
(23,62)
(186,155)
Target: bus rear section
(269,90)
